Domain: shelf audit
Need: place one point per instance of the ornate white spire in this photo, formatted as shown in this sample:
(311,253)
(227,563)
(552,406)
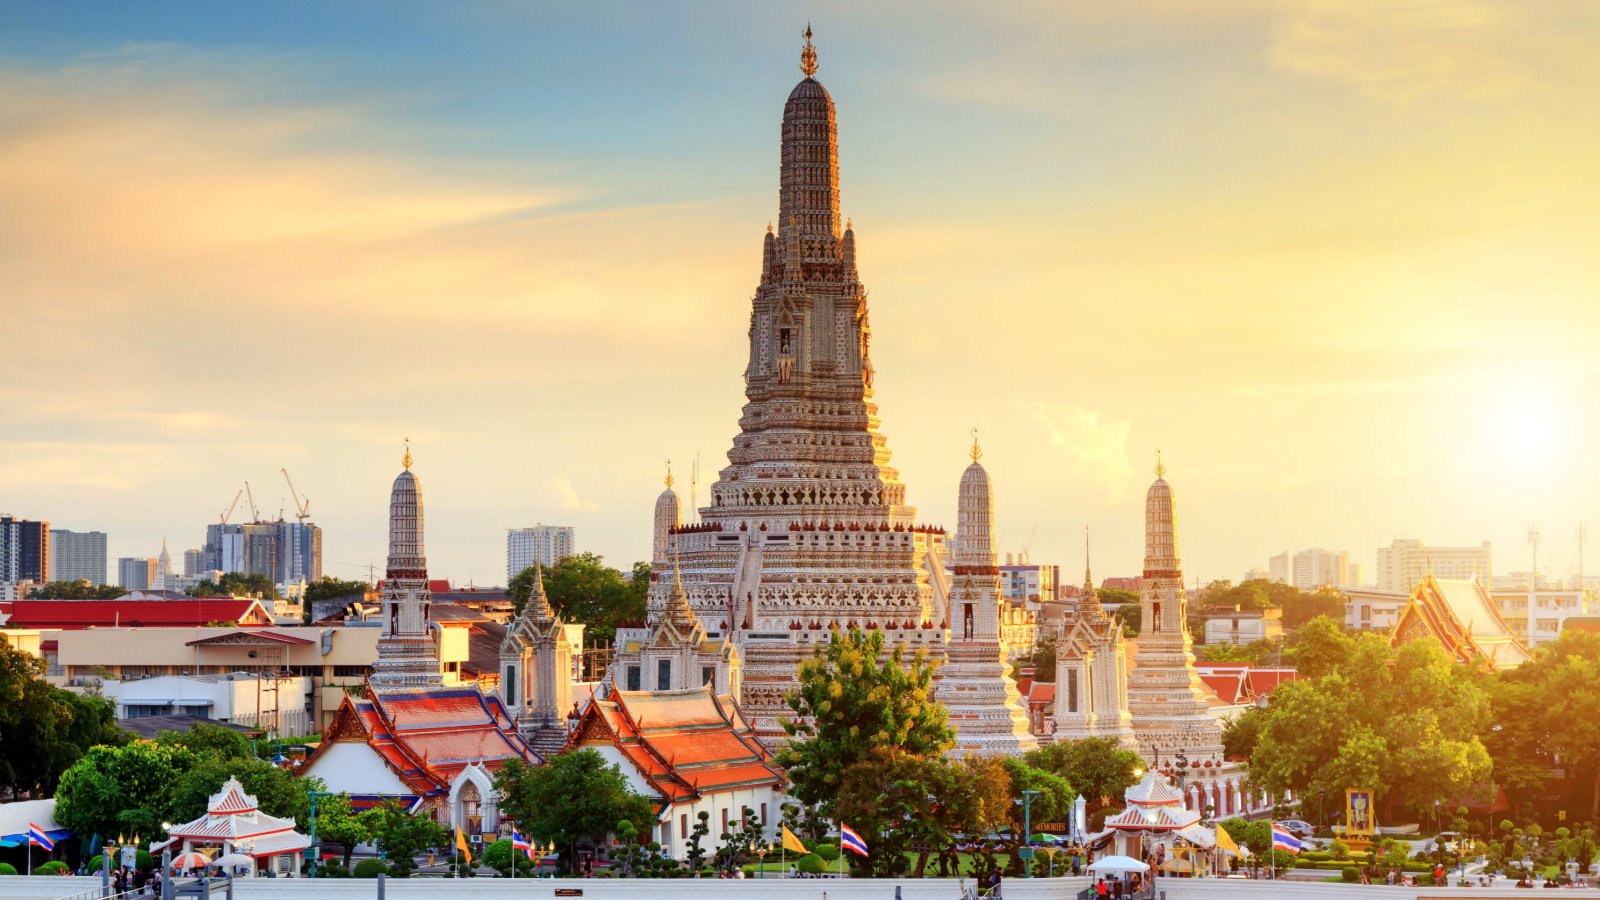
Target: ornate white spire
(407,654)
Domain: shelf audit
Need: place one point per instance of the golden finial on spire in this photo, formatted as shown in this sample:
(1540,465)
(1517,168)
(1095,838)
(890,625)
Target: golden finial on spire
(407,461)
(849,224)
(808,56)
(976,450)
(769,226)
(669,474)
(1161,468)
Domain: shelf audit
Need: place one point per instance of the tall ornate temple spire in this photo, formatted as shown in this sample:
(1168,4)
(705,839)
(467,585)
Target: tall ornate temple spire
(1160,529)
(808,56)
(1089,608)
(407,654)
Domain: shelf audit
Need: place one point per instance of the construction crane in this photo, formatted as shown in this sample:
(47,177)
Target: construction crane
(302,507)
(255,514)
(229,511)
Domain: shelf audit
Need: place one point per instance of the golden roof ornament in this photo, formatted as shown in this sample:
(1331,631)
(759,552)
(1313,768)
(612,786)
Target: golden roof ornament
(808,56)
(1161,469)
(669,474)
(976,450)
(407,460)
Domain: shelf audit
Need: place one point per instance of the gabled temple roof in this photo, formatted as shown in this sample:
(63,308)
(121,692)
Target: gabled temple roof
(190,611)
(1462,617)
(427,735)
(684,743)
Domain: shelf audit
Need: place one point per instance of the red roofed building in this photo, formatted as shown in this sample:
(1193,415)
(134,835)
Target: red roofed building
(434,748)
(1462,617)
(233,823)
(1241,684)
(691,751)
(186,613)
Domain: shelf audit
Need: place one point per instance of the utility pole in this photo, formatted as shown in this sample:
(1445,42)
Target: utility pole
(1533,541)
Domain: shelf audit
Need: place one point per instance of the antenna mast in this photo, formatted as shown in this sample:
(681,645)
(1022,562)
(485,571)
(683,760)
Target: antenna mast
(1533,541)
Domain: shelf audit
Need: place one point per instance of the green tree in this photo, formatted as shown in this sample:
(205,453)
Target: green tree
(277,792)
(1043,657)
(1240,734)
(1053,803)
(122,790)
(207,739)
(1099,768)
(502,858)
(76,590)
(1321,647)
(45,730)
(850,700)
(243,584)
(401,835)
(583,589)
(1546,709)
(695,852)
(339,823)
(573,798)
(1402,721)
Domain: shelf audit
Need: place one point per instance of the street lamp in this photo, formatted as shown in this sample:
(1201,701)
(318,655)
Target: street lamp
(1027,831)
(311,849)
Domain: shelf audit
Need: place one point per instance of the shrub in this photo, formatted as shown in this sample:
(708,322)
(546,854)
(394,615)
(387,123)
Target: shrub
(1351,874)
(828,852)
(7,869)
(369,868)
(53,867)
(1340,849)
(811,864)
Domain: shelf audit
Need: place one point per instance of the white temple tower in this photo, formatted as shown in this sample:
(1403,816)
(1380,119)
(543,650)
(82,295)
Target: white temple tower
(163,580)
(407,654)
(1091,671)
(1165,695)
(984,705)
(536,671)
(807,527)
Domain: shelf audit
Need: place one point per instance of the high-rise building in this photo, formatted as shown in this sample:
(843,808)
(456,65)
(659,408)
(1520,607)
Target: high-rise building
(78,556)
(1311,569)
(24,550)
(544,544)
(1404,563)
(136,573)
(193,562)
(284,551)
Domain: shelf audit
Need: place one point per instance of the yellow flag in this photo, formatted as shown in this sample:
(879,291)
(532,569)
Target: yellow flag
(463,846)
(792,843)
(1225,841)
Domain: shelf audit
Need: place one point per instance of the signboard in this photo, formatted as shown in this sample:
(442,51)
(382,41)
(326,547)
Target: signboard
(1358,813)
(569,892)
(309,853)
(922,846)
(130,856)
(1051,827)
(1025,853)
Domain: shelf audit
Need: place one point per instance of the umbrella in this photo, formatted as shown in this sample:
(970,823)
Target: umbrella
(1118,864)
(190,861)
(233,859)
(1042,838)
(1177,864)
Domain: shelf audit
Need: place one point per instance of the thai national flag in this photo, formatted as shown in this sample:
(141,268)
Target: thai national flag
(849,840)
(518,842)
(38,838)
(1283,840)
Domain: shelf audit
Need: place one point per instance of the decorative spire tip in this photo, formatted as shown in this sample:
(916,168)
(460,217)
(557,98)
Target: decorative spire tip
(1161,468)
(407,460)
(977,451)
(669,474)
(808,56)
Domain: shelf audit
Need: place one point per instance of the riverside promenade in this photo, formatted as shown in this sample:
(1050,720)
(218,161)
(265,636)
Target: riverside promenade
(52,888)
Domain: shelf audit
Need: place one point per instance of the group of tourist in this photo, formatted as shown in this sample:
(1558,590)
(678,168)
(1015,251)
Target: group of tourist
(136,881)
(1117,888)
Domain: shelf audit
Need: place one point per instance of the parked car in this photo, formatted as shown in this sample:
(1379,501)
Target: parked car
(1297,827)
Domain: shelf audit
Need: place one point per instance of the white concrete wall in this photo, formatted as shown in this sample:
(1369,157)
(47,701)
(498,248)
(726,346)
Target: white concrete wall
(49,888)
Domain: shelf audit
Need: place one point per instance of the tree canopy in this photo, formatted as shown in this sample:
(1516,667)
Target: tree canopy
(1299,607)
(893,797)
(243,584)
(44,730)
(1098,768)
(77,590)
(574,798)
(584,589)
(329,588)
(1547,709)
(852,699)
(1403,721)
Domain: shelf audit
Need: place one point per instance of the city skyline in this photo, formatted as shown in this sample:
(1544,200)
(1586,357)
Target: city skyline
(468,231)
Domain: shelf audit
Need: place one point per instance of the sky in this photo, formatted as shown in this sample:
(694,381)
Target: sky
(1336,260)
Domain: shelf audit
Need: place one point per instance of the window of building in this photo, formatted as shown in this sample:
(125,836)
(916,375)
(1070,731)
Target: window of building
(724,820)
(708,674)
(763,815)
(351,671)
(663,674)
(683,826)
(508,685)
(634,679)
(1072,690)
